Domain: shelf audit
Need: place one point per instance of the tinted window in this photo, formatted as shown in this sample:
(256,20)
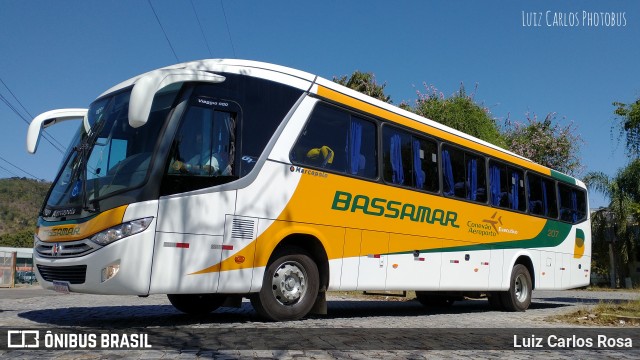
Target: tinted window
(464,175)
(573,203)
(542,196)
(335,140)
(263,105)
(409,160)
(506,186)
(203,150)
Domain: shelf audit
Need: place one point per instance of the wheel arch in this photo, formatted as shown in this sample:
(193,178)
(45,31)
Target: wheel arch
(525,260)
(314,247)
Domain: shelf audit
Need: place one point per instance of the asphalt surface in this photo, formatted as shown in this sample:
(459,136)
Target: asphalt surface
(355,328)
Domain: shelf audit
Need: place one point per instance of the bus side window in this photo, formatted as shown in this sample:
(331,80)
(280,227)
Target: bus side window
(506,186)
(542,196)
(464,175)
(572,203)
(397,155)
(335,140)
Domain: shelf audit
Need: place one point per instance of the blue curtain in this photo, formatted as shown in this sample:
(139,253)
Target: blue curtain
(472,179)
(494,178)
(447,173)
(396,160)
(574,206)
(417,165)
(515,195)
(355,143)
(545,208)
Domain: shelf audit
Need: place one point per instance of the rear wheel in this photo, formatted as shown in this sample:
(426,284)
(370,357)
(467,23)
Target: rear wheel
(289,288)
(518,298)
(432,299)
(196,304)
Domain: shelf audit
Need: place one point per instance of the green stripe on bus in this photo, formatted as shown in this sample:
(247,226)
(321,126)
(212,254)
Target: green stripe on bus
(551,235)
(562,177)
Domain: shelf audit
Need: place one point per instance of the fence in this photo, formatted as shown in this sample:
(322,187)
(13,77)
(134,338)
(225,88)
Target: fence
(16,266)
(7,269)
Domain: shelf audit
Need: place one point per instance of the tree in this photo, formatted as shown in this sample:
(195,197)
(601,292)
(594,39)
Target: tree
(546,142)
(628,124)
(617,222)
(364,83)
(459,111)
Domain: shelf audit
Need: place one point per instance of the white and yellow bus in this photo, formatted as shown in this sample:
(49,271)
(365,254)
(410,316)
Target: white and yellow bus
(215,180)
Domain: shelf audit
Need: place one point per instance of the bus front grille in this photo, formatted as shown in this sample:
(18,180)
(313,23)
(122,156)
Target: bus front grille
(73,274)
(65,249)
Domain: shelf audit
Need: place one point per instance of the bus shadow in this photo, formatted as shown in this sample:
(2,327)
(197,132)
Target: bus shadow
(142,316)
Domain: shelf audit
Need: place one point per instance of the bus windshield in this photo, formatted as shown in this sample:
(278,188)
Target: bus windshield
(113,157)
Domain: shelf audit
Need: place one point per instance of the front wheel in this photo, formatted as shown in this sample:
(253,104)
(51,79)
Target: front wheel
(196,304)
(289,288)
(518,298)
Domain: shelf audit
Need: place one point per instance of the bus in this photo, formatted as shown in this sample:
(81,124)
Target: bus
(217,180)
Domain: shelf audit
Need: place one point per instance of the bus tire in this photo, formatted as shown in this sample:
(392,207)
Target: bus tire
(432,299)
(518,298)
(196,304)
(289,287)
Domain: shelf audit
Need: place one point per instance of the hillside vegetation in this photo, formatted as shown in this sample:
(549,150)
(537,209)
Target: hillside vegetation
(20,201)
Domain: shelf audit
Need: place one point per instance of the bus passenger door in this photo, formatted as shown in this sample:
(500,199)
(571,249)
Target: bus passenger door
(410,269)
(372,270)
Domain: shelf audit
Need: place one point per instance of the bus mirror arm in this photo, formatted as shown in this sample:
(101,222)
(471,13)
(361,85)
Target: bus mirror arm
(149,84)
(50,118)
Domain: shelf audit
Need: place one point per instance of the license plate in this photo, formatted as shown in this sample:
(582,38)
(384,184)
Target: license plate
(61,286)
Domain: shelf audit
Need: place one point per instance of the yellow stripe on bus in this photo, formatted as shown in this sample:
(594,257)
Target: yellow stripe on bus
(72,232)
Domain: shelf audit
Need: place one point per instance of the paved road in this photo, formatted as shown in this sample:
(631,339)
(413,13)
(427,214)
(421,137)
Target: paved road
(391,324)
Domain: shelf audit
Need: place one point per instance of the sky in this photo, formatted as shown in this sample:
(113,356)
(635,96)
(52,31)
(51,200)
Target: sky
(63,54)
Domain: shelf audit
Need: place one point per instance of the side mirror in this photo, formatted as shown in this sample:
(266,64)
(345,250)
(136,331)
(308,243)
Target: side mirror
(149,84)
(50,118)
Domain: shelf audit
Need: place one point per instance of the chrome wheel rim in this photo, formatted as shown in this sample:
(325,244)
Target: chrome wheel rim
(521,289)
(289,283)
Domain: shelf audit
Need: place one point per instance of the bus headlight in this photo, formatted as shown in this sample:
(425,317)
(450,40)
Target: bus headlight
(123,230)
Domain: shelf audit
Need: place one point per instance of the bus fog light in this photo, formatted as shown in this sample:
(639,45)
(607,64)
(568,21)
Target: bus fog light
(110,271)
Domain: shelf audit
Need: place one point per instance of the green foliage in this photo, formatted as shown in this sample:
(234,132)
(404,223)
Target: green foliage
(546,142)
(20,201)
(364,83)
(618,223)
(629,125)
(460,112)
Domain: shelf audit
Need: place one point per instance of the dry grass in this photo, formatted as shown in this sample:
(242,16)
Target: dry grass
(626,313)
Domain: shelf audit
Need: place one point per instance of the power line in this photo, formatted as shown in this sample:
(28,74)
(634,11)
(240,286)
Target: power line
(44,134)
(28,113)
(24,171)
(201,30)
(228,31)
(9,171)
(164,32)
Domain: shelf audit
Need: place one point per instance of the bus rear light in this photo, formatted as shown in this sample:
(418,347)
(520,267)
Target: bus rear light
(110,271)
